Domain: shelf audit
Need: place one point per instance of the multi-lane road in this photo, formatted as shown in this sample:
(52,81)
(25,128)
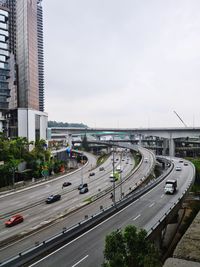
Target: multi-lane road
(39,215)
(144,212)
(87,249)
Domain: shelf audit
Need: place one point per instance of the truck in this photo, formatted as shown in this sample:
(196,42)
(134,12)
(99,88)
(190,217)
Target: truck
(170,186)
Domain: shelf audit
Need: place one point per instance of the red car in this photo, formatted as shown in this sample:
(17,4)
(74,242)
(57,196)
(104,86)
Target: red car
(14,220)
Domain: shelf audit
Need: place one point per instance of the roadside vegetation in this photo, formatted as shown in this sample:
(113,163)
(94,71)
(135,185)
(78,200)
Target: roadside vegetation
(129,248)
(193,205)
(196,185)
(20,163)
(137,157)
(66,124)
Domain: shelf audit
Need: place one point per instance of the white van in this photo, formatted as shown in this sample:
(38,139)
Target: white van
(118,169)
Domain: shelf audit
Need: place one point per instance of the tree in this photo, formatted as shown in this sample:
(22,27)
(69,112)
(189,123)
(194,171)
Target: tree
(130,248)
(115,250)
(12,166)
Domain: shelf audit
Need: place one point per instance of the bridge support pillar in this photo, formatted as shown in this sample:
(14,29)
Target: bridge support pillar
(108,149)
(140,140)
(165,147)
(158,241)
(171,147)
(69,140)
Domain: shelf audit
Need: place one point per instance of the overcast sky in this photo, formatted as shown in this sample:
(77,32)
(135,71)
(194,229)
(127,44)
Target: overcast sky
(122,63)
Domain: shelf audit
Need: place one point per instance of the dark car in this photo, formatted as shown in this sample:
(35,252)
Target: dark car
(82,186)
(14,220)
(53,198)
(83,190)
(66,184)
(101,169)
(92,174)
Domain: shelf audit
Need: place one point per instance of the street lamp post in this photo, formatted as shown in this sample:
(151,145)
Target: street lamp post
(121,185)
(121,176)
(82,169)
(113,176)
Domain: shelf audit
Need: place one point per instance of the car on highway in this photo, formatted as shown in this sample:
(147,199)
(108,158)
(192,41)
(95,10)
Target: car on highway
(118,169)
(92,174)
(178,168)
(81,186)
(101,169)
(112,175)
(66,184)
(113,179)
(145,160)
(83,190)
(185,164)
(14,220)
(53,198)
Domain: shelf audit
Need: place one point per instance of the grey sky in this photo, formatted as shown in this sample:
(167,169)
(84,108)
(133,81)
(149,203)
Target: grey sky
(122,63)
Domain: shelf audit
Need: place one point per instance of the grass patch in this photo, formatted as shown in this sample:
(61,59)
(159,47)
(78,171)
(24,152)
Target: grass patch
(89,199)
(102,159)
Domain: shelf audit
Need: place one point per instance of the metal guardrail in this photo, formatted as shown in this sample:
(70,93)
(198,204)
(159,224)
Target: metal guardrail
(156,225)
(68,234)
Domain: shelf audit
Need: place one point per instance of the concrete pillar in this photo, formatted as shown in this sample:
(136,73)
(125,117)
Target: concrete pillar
(165,147)
(69,140)
(108,149)
(140,140)
(158,240)
(171,147)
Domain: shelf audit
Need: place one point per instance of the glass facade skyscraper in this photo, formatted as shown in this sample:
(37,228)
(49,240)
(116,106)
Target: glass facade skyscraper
(4,67)
(40,54)
(4,57)
(26,43)
(26,76)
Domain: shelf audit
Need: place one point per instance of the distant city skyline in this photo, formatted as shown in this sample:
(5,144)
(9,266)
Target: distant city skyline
(122,63)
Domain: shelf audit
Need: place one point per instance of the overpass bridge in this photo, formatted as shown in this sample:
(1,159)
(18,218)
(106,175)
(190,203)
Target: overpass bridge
(168,136)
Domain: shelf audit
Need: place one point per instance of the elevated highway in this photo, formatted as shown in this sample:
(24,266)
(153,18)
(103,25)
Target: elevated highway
(168,134)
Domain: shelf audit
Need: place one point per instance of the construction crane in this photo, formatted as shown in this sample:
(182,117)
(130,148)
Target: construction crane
(180,118)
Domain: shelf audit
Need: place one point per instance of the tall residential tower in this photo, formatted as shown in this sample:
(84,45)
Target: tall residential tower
(27,117)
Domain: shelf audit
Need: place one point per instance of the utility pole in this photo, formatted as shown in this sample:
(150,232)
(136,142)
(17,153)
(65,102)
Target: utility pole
(113,176)
(121,175)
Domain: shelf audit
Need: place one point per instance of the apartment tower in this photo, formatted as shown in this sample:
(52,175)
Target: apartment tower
(4,68)
(27,116)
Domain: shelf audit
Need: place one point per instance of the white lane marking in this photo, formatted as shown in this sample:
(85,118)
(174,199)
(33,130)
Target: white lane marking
(162,196)
(80,261)
(55,251)
(152,204)
(137,217)
(3,232)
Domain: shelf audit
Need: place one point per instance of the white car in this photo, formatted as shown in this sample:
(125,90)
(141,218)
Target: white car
(118,169)
(178,168)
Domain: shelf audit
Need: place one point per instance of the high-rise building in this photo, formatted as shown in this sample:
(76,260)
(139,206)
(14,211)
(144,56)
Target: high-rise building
(4,68)
(27,117)
(40,55)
